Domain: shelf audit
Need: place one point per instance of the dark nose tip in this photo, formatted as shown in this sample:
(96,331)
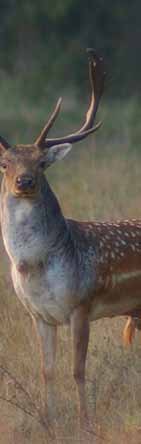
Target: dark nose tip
(25,182)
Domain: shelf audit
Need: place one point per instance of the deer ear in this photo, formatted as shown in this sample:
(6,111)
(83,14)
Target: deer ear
(4,145)
(57,152)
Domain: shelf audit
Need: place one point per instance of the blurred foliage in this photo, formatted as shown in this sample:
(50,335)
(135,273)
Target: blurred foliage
(44,41)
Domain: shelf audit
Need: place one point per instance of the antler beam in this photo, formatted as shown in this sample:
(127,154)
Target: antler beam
(97,77)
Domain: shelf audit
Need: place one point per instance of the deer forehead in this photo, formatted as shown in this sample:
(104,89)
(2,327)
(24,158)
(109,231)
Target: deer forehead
(23,154)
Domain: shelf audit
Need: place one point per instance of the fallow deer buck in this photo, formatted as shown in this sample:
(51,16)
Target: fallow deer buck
(65,271)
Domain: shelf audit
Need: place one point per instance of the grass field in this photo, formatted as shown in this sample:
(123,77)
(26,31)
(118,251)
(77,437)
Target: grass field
(99,179)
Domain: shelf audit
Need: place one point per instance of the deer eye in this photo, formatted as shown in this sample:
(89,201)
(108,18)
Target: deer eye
(3,166)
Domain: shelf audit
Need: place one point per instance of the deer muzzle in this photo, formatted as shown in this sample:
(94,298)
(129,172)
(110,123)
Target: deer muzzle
(25,182)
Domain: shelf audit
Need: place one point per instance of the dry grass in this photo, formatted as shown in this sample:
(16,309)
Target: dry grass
(99,182)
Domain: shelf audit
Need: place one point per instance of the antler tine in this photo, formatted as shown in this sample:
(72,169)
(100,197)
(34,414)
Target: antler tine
(42,136)
(97,76)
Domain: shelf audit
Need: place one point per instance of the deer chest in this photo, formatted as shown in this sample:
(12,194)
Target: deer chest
(49,294)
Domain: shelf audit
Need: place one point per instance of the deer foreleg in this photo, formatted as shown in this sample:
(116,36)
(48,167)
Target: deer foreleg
(47,338)
(80,335)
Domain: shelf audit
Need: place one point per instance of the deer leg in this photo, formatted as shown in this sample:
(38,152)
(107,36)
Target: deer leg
(80,336)
(47,338)
(129,331)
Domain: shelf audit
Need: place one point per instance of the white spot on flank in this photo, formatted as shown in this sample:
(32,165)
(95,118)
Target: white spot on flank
(101,259)
(117,244)
(113,255)
(133,234)
(107,254)
(107,237)
(98,228)
(101,244)
(123,242)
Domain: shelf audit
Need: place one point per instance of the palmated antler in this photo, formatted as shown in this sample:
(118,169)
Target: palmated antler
(97,76)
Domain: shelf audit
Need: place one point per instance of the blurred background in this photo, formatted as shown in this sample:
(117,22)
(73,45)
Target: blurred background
(43,42)
(43,56)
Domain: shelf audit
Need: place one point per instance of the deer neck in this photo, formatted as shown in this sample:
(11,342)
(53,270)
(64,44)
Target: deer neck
(33,229)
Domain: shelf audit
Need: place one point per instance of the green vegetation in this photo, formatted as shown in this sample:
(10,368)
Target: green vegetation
(44,42)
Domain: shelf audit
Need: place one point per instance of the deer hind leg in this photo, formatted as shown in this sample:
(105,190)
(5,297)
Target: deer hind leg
(47,338)
(129,331)
(133,323)
(80,336)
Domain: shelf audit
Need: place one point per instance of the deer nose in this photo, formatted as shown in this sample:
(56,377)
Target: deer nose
(25,182)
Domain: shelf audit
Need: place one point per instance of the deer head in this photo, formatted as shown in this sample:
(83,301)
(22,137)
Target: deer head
(23,165)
